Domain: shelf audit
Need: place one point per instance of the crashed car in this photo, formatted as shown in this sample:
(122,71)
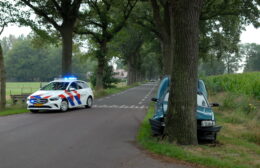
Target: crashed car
(61,94)
(206,122)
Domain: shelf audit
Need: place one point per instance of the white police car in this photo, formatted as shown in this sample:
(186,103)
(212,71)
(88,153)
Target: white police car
(61,94)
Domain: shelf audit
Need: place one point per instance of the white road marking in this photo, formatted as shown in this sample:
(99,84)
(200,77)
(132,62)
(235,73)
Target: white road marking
(140,103)
(133,106)
(120,107)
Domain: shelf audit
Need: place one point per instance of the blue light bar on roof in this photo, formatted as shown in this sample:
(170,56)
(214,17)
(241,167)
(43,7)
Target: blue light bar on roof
(70,78)
(67,78)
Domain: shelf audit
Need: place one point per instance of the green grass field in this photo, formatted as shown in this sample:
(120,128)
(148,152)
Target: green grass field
(238,143)
(13,88)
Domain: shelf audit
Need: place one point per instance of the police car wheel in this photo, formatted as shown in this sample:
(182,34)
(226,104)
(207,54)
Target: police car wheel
(34,111)
(89,102)
(64,106)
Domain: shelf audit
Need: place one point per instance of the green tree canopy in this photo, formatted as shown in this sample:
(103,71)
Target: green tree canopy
(27,63)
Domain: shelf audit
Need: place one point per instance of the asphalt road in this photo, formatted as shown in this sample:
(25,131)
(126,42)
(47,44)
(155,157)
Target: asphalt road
(100,137)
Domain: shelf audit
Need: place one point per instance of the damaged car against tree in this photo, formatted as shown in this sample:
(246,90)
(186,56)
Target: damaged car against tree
(206,123)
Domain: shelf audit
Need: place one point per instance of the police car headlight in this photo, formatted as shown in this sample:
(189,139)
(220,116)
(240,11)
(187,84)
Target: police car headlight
(207,123)
(54,98)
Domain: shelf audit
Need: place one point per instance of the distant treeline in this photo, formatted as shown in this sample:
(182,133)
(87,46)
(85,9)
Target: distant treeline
(245,59)
(26,61)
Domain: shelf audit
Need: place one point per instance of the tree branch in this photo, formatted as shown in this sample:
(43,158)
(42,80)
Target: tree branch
(41,13)
(57,6)
(94,23)
(156,15)
(3,27)
(150,28)
(88,32)
(121,24)
(76,5)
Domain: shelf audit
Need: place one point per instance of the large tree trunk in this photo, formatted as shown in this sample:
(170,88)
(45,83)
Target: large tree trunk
(181,125)
(166,34)
(102,62)
(2,81)
(67,43)
(134,65)
(166,56)
(130,73)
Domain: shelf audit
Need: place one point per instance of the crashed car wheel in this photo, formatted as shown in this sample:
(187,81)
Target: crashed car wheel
(89,102)
(64,106)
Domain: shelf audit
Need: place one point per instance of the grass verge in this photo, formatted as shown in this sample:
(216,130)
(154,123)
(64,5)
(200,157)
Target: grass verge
(237,145)
(18,109)
(13,110)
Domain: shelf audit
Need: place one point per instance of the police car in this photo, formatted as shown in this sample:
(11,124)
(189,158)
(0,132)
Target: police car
(61,94)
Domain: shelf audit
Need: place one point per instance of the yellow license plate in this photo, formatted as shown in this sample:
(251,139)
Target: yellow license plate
(38,105)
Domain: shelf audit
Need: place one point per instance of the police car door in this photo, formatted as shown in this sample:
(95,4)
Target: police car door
(72,98)
(82,92)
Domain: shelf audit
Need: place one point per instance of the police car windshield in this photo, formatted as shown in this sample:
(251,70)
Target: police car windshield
(56,86)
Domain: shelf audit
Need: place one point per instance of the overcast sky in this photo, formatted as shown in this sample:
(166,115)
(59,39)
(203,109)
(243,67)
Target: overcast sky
(251,35)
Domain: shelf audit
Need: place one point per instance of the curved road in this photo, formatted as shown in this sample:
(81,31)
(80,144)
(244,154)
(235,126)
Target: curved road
(100,137)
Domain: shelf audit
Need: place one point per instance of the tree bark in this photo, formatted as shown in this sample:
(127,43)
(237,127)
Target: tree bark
(181,124)
(166,56)
(130,74)
(131,77)
(2,81)
(134,64)
(67,42)
(102,63)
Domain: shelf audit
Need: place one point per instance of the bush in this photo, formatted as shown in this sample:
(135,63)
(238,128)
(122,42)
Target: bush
(108,79)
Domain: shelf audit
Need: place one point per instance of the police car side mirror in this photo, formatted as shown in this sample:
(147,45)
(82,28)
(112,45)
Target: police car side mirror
(154,99)
(72,89)
(214,105)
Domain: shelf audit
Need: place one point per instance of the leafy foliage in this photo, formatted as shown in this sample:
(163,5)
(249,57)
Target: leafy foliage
(246,83)
(211,67)
(101,21)
(108,80)
(138,49)
(221,24)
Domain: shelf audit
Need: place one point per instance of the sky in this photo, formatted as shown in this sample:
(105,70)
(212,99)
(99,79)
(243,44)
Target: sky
(250,35)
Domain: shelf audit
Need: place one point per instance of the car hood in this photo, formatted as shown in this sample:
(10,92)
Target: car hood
(46,93)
